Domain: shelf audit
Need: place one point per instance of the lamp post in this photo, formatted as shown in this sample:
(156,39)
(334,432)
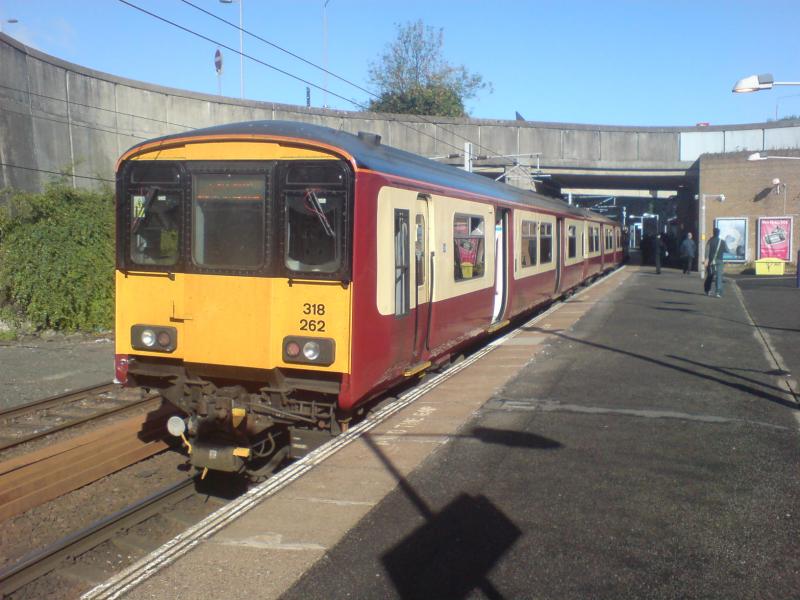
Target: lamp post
(778,101)
(241,44)
(756,83)
(325,52)
(701,243)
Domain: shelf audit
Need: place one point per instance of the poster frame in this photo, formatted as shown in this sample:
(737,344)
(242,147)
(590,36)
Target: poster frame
(741,223)
(790,235)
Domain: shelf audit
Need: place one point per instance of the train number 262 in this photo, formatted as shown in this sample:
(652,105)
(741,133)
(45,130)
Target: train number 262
(313,324)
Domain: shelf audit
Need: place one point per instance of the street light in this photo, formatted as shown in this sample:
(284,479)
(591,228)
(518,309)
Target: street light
(760,156)
(241,45)
(756,83)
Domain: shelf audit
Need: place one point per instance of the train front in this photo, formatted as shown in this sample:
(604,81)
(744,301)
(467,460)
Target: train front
(233,290)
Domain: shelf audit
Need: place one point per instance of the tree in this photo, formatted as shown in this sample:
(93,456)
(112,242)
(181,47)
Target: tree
(412,76)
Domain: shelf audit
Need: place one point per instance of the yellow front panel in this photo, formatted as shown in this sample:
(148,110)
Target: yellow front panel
(147,299)
(234,321)
(327,304)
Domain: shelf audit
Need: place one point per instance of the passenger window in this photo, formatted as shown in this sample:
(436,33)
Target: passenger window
(468,244)
(572,241)
(593,245)
(228,212)
(529,241)
(546,235)
(402,293)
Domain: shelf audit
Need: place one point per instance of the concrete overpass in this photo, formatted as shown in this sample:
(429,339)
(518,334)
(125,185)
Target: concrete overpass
(58,117)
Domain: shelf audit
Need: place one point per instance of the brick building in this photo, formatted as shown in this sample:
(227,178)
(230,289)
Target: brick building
(753,190)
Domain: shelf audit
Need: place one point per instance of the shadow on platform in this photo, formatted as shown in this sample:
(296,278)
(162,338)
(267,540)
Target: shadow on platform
(452,553)
(748,389)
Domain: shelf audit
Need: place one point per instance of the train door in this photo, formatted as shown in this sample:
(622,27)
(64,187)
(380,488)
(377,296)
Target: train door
(559,252)
(603,234)
(500,263)
(423,284)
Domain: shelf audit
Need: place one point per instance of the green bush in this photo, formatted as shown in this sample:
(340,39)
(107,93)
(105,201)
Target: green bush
(57,258)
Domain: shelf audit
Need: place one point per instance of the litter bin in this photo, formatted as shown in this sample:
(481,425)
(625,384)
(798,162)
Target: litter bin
(770,266)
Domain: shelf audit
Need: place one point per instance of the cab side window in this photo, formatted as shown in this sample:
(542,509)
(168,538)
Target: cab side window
(314,216)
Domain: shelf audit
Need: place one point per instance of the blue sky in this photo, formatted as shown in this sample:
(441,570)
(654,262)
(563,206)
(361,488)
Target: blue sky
(656,63)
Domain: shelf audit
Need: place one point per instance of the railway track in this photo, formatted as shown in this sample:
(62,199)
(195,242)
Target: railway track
(35,420)
(68,556)
(50,471)
(62,557)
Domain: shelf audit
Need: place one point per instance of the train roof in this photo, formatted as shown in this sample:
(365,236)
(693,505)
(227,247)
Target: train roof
(369,153)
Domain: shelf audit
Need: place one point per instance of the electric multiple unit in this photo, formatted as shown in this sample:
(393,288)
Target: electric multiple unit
(273,277)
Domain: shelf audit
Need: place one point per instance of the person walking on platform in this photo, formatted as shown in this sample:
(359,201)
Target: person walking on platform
(715,250)
(658,248)
(687,252)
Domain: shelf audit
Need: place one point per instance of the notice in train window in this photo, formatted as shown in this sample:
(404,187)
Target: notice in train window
(138,207)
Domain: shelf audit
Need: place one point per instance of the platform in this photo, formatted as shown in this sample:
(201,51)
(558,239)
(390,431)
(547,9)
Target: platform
(640,441)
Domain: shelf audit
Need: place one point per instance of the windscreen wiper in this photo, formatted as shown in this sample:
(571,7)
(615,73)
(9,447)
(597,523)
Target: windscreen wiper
(317,209)
(148,200)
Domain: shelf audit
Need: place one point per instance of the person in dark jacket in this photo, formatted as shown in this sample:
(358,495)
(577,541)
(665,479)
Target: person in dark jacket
(687,252)
(658,248)
(715,250)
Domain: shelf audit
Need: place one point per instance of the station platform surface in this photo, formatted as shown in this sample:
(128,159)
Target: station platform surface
(641,441)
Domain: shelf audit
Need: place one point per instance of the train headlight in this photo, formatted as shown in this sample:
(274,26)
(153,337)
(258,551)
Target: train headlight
(154,338)
(309,351)
(148,337)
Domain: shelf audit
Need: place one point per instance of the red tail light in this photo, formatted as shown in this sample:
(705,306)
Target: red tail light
(121,368)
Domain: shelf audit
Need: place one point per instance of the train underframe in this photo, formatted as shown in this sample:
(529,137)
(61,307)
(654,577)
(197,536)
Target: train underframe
(245,420)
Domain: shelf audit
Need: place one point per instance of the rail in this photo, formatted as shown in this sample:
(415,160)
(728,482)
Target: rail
(42,562)
(9,415)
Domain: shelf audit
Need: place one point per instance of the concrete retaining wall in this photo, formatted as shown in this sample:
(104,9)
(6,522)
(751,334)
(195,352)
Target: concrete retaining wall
(56,116)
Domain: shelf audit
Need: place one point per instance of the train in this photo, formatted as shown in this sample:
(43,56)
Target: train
(273,278)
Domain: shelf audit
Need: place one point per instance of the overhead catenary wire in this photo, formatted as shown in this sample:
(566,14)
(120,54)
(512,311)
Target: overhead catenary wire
(297,78)
(332,74)
(72,122)
(59,173)
(95,107)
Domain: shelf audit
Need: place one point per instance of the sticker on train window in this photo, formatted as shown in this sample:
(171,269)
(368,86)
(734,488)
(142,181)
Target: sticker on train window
(138,207)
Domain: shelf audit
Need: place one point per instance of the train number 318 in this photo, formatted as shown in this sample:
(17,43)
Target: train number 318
(313,309)
(313,324)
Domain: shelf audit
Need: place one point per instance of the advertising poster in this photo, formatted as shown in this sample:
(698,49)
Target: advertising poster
(734,233)
(775,238)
